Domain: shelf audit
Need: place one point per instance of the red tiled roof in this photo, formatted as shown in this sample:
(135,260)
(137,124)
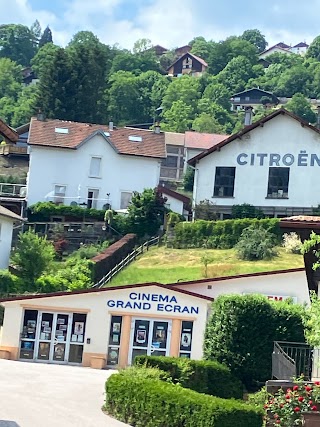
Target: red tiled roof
(7,132)
(174,194)
(203,140)
(42,133)
(280,111)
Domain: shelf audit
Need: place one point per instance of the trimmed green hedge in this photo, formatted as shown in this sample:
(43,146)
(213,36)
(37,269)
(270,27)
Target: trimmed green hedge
(219,234)
(203,376)
(154,403)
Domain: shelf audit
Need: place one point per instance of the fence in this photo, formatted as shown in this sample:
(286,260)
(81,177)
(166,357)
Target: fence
(8,189)
(126,261)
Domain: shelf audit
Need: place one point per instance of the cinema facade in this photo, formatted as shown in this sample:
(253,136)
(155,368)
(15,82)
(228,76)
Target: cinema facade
(109,327)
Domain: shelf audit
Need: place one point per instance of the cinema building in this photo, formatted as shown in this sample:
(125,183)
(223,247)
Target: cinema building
(108,327)
(272,164)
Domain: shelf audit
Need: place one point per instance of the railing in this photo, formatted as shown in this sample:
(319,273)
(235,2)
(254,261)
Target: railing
(12,190)
(126,261)
(6,150)
(291,359)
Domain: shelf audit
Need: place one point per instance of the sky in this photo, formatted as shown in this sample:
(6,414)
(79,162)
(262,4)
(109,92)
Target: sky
(170,23)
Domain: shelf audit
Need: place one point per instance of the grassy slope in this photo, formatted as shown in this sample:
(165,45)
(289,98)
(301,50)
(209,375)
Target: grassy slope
(167,265)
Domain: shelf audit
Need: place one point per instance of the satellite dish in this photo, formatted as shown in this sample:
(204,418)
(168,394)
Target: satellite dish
(73,203)
(106,206)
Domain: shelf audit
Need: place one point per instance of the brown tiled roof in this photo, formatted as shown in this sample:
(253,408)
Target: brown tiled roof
(301,44)
(203,140)
(280,111)
(9,214)
(302,218)
(7,132)
(197,58)
(301,222)
(42,133)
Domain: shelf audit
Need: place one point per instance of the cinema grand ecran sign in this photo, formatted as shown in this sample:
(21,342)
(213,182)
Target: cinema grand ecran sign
(152,302)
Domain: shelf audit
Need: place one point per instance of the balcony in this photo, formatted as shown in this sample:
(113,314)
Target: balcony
(6,150)
(17,191)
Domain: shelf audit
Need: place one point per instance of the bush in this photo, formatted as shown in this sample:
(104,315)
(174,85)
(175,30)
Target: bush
(154,403)
(241,332)
(43,211)
(220,234)
(9,283)
(143,372)
(188,179)
(203,376)
(292,243)
(246,211)
(255,244)
(109,258)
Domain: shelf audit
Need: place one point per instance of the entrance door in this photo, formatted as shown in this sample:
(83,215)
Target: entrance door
(53,337)
(150,337)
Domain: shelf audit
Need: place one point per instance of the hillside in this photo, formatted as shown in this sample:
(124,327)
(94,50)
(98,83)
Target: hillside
(166,265)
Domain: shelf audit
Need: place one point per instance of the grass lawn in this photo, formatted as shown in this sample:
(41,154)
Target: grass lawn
(166,265)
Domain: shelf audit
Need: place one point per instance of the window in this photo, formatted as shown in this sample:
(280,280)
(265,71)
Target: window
(59,193)
(247,98)
(278,183)
(126,197)
(170,162)
(114,340)
(224,182)
(95,166)
(186,339)
(93,194)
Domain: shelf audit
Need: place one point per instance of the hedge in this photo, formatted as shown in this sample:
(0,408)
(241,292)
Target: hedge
(203,376)
(241,332)
(219,234)
(155,403)
(43,211)
(110,257)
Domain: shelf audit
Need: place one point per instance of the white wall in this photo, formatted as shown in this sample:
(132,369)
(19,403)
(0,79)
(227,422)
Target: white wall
(174,204)
(292,284)
(99,316)
(281,135)
(6,227)
(274,50)
(50,166)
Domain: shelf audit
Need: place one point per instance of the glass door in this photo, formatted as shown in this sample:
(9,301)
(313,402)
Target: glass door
(53,336)
(150,337)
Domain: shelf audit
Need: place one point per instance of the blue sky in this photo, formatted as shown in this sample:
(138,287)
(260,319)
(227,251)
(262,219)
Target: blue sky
(168,22)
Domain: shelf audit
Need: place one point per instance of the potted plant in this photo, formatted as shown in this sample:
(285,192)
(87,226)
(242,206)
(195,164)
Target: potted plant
(296,406)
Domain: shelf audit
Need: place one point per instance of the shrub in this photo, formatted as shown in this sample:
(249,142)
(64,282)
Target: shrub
(220,234)
(246,211)
(241,332)
(286,407)
(188,179)
(109,258)
(255,243)
(292,243)
(42,211)
(143,372)
(154,403)
(203,376)
(9,283)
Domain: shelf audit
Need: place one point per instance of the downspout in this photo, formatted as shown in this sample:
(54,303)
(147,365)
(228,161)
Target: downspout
(195,188)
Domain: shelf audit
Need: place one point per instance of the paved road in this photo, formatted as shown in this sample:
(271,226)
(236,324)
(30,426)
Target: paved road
(40,395)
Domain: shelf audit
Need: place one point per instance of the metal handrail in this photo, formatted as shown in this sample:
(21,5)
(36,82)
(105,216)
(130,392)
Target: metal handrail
(125,261)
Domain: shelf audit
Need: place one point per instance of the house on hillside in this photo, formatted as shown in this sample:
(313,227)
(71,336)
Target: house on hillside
(277,48)
(300,48)
(7,220)
(252,97)
(196,143)
(175,201)
(182,50)
(159,50)
(187,64)
(91,165)
(273,164)
(172,167)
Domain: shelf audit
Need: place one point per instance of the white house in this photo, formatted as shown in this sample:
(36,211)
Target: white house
(7,220)
(273,164)
(91,165)
(278,48)
(175,201)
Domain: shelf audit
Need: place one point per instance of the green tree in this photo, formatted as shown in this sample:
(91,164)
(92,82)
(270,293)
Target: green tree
(178,118)
(17,43)
(218,94)
(146,82)
(294,80)
(236,74)
(33,256)
(44,58)
(58,88)
(142,45)
(314,49)
(10,78)
(146,212)
(205,123)
(46,37)
(188,179)
(300,106)
(256,243)
(24,107)
(35,29)
(185,89)
(256,38)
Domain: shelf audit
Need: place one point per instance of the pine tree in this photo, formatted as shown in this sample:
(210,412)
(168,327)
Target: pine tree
(46,37)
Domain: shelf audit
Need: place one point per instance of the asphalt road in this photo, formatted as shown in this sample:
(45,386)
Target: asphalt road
(41,395)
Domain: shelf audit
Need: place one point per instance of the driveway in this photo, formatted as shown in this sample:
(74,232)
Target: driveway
(40,395)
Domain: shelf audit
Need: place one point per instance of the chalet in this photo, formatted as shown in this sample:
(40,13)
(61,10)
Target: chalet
(188,64)
(93,165)
(300,48)
(158,50)
(180,51)
(271,164)
(252,97)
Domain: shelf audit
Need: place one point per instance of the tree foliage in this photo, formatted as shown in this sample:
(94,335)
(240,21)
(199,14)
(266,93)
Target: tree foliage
(255,244)
(300,106)
(18,43)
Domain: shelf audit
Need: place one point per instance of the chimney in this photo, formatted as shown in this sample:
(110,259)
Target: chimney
(248,116)
(111,125)
(157,128)
(40,116)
